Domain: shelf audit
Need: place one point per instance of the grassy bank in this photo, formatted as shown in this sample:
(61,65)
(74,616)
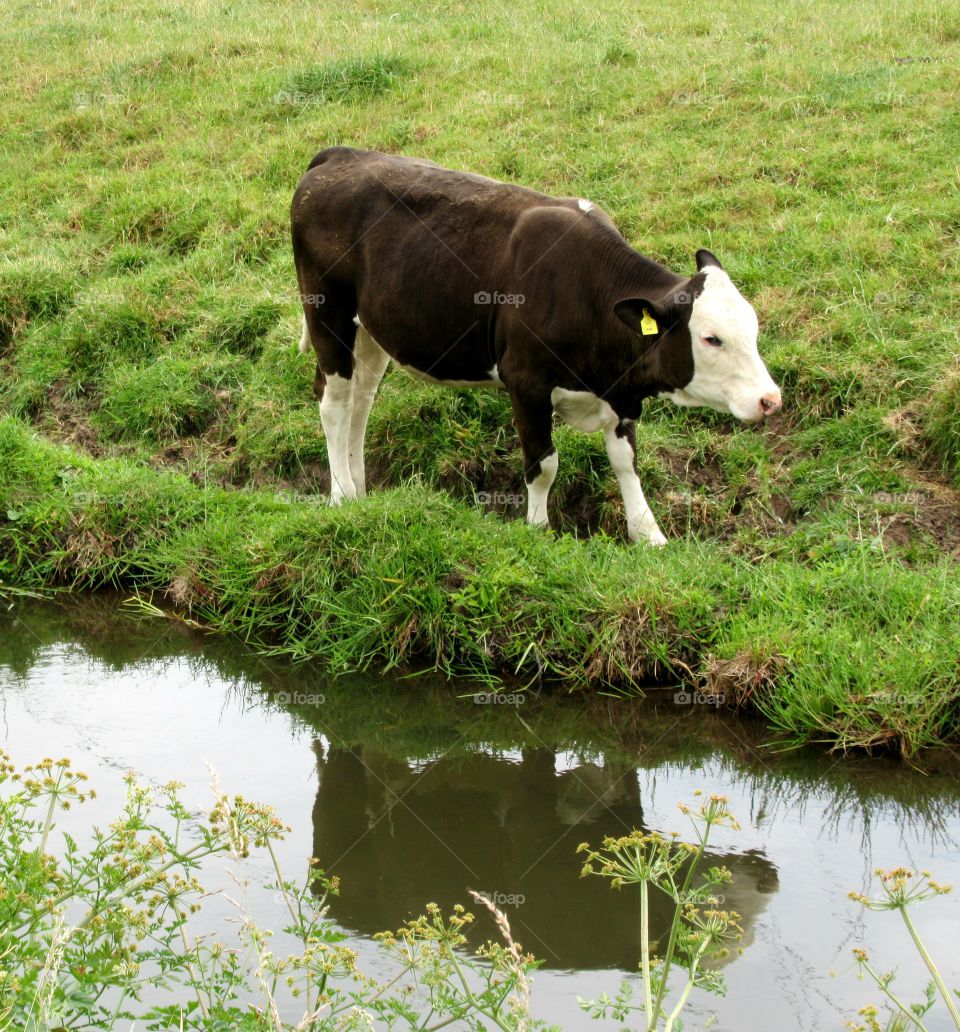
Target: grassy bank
(148,320)
(855,650)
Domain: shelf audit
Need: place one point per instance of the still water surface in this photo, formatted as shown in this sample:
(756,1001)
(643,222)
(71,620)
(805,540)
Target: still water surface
(410,793)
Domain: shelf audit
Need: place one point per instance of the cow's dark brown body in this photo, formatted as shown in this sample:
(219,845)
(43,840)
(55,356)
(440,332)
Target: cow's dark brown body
(407,246)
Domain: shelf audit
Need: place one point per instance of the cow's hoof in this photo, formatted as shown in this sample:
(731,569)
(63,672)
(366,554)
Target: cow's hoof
(654,539)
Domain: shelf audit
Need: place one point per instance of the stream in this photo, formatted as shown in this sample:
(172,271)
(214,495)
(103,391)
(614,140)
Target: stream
(414,789)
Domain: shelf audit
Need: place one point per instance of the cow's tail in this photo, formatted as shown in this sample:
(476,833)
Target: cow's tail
(305,345)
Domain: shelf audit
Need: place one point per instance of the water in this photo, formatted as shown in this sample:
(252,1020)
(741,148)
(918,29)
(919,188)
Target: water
(411,794)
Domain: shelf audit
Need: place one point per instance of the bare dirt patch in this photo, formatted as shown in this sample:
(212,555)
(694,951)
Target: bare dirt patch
(935,514)
(66,420)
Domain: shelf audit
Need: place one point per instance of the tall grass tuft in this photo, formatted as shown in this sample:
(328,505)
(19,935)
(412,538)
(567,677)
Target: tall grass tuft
(351,79)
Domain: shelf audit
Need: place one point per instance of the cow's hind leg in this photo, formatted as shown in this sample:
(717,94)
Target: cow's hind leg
(369,364)
(332,332)
(622,450)
(533,418)
(336,408)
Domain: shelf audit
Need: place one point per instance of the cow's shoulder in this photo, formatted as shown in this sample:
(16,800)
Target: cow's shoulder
(560,231)
(595,213)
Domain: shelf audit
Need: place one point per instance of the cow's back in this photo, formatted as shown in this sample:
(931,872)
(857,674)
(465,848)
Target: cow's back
(413,249)
(370,212)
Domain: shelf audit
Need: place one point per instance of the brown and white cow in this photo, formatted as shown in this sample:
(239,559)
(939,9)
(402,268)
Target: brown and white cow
(469,282)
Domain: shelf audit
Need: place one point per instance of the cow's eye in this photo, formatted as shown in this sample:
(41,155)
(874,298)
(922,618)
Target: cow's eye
(715,342)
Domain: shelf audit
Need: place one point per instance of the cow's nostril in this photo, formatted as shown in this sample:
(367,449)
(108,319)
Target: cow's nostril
(769,404)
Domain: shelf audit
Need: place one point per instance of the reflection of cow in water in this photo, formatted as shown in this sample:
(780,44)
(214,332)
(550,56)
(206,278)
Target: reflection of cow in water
(400,835)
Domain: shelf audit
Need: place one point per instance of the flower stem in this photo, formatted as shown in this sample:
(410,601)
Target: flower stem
(47,824)
(892,997)
(932,968)
(677,918)
(190,968)
(675,1013)
(645,951)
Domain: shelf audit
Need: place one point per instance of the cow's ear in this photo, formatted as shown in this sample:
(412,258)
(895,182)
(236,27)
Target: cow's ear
(705,258)
(642,316)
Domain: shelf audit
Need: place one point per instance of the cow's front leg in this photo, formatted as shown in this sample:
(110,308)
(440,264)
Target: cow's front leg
(533,417)
(622,448)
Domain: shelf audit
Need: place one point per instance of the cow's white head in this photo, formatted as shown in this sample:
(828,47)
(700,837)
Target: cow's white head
(728,372)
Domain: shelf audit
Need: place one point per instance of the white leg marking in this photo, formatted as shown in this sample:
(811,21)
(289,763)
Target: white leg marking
(538,489)
(369,364)
(305,346)
(641,523)
(335,410)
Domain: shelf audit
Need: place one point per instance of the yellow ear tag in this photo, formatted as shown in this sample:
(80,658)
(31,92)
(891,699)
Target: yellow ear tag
(648,324)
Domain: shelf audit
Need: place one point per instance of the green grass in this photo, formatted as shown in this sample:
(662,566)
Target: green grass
(350,79)
(942,424)
(856,650)
(148,305)
(173,396)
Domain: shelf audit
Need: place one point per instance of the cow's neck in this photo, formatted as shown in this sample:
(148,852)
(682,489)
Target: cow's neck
(640,276)
(631,274)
